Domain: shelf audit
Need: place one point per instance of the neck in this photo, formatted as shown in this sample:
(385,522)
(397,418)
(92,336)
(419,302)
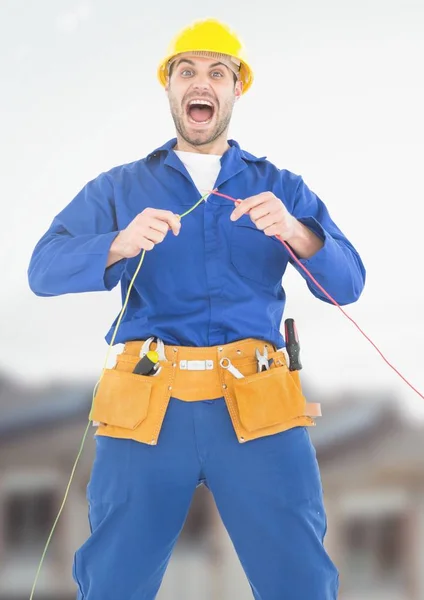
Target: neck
(218,146)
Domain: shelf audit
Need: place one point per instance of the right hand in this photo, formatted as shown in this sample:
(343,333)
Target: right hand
(145,231)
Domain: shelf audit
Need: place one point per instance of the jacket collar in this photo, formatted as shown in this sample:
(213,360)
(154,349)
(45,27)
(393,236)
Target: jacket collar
(233,161)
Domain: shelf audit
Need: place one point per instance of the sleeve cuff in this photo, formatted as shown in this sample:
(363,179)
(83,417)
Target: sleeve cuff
(96,252)
(113,274)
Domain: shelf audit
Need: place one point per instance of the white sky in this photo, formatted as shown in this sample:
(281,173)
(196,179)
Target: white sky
(338,99)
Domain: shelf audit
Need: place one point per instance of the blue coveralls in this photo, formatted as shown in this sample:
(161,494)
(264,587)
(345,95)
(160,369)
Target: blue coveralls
(217,282)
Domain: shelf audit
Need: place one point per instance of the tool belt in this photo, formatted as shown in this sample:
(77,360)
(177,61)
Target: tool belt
(133,406)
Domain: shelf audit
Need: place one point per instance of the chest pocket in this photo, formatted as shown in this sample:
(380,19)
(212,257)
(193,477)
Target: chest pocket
(255,255)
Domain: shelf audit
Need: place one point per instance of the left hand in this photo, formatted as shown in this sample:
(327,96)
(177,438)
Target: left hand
(269,215)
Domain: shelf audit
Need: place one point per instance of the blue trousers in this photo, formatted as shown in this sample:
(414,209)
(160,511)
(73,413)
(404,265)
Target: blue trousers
(268,493)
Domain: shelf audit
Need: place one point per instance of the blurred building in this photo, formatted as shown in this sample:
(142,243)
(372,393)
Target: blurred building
(372,465)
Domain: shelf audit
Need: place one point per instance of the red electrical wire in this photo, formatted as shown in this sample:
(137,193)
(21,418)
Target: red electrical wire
(319,286)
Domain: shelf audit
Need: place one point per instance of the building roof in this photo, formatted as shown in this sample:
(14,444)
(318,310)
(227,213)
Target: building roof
(352,417)
(24,407)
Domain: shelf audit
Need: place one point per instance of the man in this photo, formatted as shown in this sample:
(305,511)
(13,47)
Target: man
(210,297)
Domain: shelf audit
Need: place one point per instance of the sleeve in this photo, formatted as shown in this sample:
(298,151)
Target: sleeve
(71,256)
(337,266)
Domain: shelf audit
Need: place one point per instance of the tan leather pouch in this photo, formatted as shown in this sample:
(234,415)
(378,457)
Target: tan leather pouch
(122,399)
(131,405)
(268,398)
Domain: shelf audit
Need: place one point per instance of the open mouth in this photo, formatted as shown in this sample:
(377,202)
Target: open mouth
(200,111)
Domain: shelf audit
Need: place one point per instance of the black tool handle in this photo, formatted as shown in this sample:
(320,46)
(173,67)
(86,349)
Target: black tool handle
(292,345)
(144,366)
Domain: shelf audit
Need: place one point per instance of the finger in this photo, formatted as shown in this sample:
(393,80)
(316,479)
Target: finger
(174,222)
(268,221)
(171,219)
(262,210)
(158,225)
(147,244)
(176,225)
(246,205)
(153,235)
(273,230)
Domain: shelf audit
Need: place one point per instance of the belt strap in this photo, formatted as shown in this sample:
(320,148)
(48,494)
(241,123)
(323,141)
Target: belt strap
(197,375)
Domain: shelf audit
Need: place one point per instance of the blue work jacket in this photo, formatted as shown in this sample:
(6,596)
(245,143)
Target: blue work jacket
(218,281)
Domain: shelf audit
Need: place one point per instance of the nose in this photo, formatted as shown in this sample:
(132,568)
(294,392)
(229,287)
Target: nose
(201,83)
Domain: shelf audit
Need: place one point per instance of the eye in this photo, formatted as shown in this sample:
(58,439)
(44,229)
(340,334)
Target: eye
(186,73)
(217,74)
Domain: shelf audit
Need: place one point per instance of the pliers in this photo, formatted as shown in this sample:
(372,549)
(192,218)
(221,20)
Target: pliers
(263,361)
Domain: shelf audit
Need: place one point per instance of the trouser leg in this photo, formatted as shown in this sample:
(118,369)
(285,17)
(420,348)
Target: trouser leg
(139,497)
(269,495)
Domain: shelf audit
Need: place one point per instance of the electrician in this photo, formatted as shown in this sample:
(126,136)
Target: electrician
(223,409)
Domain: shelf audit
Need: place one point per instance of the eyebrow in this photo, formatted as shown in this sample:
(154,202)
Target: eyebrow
(191,62)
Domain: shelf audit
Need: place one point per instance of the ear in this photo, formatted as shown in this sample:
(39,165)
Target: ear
(167,84)
(238,89)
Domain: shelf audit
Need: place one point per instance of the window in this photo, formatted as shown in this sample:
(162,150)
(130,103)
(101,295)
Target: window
(374,550)
(28,519)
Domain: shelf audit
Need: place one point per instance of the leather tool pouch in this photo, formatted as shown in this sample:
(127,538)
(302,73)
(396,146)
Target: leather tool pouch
(269,398)
(128,401)
(122,399)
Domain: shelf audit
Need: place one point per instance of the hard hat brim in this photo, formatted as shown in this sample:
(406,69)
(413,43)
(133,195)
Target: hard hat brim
(246,73)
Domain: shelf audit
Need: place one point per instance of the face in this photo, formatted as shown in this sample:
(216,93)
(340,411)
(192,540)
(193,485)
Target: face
(202,93)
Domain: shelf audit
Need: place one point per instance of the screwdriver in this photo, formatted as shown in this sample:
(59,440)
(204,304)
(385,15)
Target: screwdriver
(292,345)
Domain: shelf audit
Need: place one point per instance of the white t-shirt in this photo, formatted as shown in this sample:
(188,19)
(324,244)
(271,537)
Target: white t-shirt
(203,169)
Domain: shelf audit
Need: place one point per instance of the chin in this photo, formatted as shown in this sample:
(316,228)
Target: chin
(198,141)
(199,138)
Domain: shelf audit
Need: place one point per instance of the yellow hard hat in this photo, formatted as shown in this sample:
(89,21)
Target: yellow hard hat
(211,38)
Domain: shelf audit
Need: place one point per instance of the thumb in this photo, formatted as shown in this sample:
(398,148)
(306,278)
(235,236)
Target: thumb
(175,224)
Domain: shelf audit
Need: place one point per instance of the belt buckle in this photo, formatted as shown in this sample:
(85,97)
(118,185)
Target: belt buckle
(196,365)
